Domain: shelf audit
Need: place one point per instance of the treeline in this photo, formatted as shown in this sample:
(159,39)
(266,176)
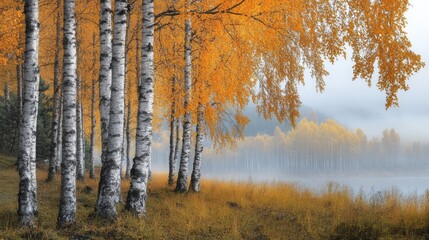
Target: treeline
(313,147)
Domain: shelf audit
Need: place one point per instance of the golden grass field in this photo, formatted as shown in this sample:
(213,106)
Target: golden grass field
(223,210)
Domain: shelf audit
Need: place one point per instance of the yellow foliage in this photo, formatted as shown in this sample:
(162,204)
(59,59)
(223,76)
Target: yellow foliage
(242,50)
(11,27)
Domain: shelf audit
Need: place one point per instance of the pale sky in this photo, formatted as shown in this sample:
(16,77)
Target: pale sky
(355,105)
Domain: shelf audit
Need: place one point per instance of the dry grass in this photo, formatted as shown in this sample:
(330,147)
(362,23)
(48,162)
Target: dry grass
(224,210)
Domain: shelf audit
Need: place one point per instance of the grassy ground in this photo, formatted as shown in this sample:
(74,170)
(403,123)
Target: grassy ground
(223,211)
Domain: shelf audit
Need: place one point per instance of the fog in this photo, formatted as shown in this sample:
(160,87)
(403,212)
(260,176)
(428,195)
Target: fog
(326,153)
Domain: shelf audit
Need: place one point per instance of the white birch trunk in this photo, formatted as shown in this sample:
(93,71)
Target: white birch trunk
(67,211)
(138,51)
(19,74)
(177,144)
(80,168)
(110,179)
(196,172)
(27,196)
(172,159)
(56,99)
(60,134)
(105,76)
(136,200)
(82,137)
(124,139)
(128,139)
(93,121)
(182,185)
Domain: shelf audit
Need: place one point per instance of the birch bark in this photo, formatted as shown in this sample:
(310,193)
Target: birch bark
(136,200)
(124,139)
(196,172)
(67,211)
(181,185)
(172,159)
(80,168)
(60,133)
(105,76)
(93,121)
(56,99)
(176,145)
(110,178)
(128,139)
(27,196)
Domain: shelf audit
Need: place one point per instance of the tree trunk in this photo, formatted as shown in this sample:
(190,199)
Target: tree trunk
(56,99)
(82,137)
(127,172)
(182,185)
(105,76)
(19,73)
(176,145)
(124,139)
(67,211)
(196,172)
(27,196)
(60,133)
(80,167)
(136,200)
(19,77)
(172,159)
(93,121)
(110,179)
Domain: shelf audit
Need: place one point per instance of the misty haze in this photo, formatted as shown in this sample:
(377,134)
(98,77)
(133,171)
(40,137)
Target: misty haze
(317,152)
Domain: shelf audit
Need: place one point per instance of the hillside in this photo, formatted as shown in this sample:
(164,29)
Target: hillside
(223,210)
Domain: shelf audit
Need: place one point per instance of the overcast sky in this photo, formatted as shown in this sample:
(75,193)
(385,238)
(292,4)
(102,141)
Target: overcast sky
(356,105)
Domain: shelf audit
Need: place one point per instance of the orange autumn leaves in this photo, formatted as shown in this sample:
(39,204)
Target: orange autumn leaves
(11,25)
(382,41)
(243,50)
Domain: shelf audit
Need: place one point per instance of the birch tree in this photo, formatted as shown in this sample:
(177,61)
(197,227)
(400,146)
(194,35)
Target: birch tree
(124,139)
(137,69)
(196,172)
(27,196)
(56,98)
(60,133)
(80,166)
(93,121)
(181,184)
(128,141)
(110,178)
(136,199)
(105,76)
(67,211)
(173,122)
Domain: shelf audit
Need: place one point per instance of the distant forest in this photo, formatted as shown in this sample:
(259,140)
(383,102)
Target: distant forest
(324,146)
